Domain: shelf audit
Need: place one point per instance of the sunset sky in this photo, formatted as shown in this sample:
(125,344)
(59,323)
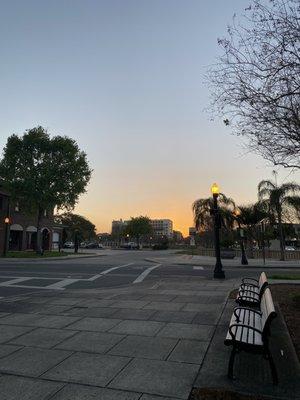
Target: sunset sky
(125,79)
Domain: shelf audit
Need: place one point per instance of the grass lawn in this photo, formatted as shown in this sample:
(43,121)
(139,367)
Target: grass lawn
(286,277)
(33,254)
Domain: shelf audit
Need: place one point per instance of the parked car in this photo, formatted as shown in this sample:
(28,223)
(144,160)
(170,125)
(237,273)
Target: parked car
(290,248)
(92,245)
(130,246)
(69,245)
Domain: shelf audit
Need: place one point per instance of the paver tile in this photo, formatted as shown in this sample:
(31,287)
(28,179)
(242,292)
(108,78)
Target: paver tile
(96,312)
(131,327)
(8,332)
(53,309)
(93,342)
(32,361)
(3,314)
(55,321)
(127,296)
(6,349)
(19,388)
(164,305)
(79,392)
(202,307)
(206,317)
(20,319)
(97,303)
(158,297)
(43,337)
(65,301)
(92,369)
(130,313)
(144,347)
(43,321)
(189,351)
(137,304)
(153,397)
(157,377)
(174,316)
(203,299)
(186,331)
(94,324)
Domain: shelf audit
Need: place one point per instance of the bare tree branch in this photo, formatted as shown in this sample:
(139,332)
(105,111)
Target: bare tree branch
(256,83)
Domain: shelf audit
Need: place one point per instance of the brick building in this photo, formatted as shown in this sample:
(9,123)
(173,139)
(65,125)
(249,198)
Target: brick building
(22,232)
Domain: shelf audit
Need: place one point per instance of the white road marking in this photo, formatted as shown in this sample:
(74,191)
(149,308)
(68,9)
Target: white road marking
(15,280)
(107,271)
(147,271)
(198,268)
(60,285)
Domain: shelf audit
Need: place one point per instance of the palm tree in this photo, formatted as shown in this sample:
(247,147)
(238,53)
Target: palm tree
(249,216)
(281,199)
(202,212)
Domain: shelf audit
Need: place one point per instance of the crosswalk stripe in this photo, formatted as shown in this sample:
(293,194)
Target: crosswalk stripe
(107,271)
(143,275)
(60,285)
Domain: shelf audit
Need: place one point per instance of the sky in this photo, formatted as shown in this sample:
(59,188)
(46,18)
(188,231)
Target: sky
(126,80)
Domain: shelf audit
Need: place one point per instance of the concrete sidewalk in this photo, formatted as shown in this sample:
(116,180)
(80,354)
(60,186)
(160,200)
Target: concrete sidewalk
(143,342)
(184,259)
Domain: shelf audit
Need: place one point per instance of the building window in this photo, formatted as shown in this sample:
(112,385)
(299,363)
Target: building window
(17,207)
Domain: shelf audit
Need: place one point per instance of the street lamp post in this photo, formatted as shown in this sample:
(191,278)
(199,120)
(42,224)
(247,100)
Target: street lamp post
(218,271)
(244,260)
(6,231)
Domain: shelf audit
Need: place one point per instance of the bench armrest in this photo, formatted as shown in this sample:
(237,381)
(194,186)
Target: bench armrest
(242,326)
(249,279)
(236,309)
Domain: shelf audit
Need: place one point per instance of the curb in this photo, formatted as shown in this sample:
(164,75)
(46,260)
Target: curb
(231,266)
(22,260)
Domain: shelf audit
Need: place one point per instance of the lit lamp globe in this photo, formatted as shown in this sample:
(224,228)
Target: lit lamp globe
(6,220)
(215,190)
(237,212)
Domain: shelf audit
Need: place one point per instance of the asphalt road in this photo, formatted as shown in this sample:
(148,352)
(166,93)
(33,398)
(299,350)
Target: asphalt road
(109,269)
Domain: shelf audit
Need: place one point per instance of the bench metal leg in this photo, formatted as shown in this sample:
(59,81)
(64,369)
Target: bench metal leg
(231,363)
(272,367)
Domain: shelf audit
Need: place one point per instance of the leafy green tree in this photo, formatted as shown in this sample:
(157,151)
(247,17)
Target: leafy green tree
(138,227)
(42,173)
(281,201)
(77,225)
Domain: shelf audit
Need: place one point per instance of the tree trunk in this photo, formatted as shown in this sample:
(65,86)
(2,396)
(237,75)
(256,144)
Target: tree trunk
(39,249)
(281,236)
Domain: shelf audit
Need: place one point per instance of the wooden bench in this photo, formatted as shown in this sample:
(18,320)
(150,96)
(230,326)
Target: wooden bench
(249,331)
(251,291)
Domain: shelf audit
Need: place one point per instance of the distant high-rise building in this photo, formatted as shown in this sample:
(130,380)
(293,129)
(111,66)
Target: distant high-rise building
(117,226)
(161,227)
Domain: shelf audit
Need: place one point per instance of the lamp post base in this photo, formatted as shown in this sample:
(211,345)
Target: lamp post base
(244,261)
(219,274)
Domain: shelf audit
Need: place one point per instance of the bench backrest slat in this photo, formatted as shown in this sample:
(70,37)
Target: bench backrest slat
(268,310)
(262,284)
(262,280)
